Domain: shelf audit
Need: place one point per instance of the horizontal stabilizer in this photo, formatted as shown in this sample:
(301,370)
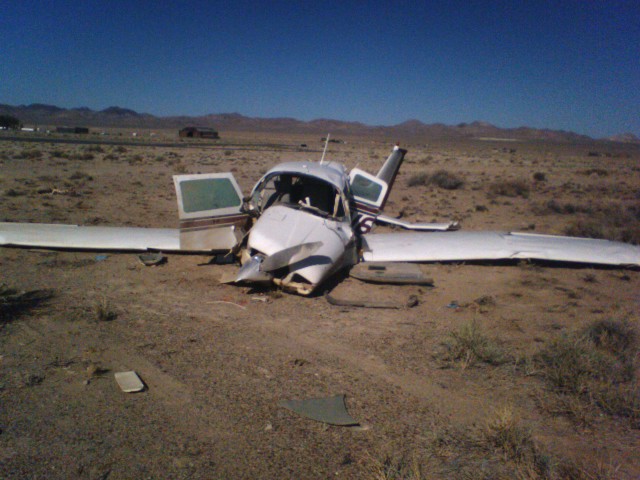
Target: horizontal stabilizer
(472,246)
(74,237)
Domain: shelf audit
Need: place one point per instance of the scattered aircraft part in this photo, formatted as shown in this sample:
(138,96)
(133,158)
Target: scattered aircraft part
(331,410)
(393,273)
(229,276)
(252,271)
(396,222)
(224,302)
(470,246)
(411,302)
(289,256)
(74,237)
(129,382)
(152,259)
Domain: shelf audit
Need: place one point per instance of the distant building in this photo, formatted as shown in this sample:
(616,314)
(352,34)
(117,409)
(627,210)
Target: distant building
(83,130)
(198,132)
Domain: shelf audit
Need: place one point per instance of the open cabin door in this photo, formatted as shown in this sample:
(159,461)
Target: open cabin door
(209,207)
(369,193)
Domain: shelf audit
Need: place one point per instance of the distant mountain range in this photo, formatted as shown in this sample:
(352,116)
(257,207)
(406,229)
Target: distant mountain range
(41,114)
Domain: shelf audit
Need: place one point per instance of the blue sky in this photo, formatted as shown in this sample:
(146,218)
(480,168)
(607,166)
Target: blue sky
(572,65)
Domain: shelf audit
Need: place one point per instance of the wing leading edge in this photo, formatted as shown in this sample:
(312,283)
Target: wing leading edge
(470,246)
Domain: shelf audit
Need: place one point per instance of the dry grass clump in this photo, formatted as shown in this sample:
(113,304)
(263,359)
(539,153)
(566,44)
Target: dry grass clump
(442,179)
(469,345)
(600,172)
(598,366)
(391,467)
(611,222)
(12,192)
(31,154)
(510,188)
(103,311)
(58,154)
(418,179)
(553,206)
(446,180)
(81,156)
(94,148)
(78,175)
(501,448)
(505,433)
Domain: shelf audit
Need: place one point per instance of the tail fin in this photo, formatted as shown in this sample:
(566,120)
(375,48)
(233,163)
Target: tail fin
(390,169)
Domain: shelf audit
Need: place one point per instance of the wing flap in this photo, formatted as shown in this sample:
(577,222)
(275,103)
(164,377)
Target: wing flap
(74,237)
(470,246)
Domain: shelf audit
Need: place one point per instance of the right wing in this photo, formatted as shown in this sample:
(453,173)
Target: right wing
(472,246)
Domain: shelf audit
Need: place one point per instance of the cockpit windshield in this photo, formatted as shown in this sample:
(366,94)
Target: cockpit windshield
(299,191)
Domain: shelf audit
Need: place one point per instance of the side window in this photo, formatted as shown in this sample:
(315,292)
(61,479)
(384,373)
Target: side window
(208,194)
(364,188)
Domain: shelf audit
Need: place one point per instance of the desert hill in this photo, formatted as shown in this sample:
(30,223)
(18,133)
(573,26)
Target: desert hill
(42,114)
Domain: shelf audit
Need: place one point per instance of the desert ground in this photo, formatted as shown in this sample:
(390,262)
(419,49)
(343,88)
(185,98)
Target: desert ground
(512,370)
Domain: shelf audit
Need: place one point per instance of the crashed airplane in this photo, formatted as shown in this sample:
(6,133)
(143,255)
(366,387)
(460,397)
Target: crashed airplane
(305,221)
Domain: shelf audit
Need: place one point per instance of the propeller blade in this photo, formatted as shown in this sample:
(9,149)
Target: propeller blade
(251,271)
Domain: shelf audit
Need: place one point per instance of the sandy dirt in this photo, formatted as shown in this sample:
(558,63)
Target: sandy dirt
(217,359)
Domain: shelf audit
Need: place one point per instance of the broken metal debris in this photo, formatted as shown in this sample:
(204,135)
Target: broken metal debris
(227,303)
(152,259)
(393,273)
(129,382)
(412,301)
(331,410)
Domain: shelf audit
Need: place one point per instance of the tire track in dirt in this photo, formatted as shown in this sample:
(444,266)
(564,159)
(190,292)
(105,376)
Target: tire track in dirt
(444,400)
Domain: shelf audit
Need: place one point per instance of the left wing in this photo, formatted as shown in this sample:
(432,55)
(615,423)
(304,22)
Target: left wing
(73,237)
(470,246)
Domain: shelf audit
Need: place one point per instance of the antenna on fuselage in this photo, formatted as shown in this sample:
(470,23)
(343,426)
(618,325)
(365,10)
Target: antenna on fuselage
(326,144)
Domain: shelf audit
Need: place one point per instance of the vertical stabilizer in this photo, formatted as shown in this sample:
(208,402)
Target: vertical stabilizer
(390,169)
